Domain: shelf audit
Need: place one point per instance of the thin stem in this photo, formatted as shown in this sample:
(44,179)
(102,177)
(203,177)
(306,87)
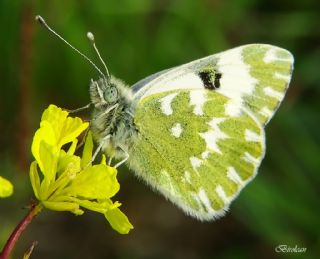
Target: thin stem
(7,249)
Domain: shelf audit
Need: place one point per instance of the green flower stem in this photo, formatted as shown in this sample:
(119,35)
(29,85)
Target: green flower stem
(7,249)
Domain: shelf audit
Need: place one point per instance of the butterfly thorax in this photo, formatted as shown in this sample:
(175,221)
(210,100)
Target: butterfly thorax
(112,115)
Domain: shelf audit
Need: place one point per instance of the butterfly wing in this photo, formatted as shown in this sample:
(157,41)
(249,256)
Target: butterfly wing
(196,154)
(201,136)
(255,76)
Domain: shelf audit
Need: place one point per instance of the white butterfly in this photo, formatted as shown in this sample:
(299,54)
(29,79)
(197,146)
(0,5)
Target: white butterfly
(195,132)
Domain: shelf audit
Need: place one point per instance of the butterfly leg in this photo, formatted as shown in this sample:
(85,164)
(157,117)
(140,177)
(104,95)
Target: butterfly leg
(106,111)
(80,109)
(96,152)
(110,160)
(126,156)
(103,141)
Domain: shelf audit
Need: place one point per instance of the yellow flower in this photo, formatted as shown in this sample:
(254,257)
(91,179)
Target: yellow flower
(6,188)
(69,182)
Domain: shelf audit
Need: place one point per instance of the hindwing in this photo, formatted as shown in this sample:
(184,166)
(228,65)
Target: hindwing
(195,150)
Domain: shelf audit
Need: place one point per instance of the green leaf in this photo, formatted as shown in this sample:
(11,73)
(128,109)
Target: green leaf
(6,188)
(94,182)
(118,221)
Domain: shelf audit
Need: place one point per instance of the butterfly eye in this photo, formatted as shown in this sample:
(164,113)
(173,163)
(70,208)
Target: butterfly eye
(111,94)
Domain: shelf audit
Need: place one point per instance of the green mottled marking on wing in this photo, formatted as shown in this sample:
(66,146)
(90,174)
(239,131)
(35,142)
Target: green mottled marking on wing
(164,160)
(272,67)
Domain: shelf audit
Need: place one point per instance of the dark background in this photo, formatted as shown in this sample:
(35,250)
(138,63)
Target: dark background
(137,38)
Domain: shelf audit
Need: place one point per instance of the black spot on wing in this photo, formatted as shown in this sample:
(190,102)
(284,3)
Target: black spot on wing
(206,79)
(217,80)
(210,79)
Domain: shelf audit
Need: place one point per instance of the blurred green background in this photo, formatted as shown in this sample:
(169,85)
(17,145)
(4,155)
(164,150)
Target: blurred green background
(137,38)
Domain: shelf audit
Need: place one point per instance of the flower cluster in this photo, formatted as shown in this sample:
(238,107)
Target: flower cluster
(69,182)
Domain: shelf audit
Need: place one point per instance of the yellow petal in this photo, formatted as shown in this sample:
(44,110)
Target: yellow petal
(44,134)
(56,117)
(49,156)
(6,188)
(118,221)
(94,182)
(56,129)
(71,129)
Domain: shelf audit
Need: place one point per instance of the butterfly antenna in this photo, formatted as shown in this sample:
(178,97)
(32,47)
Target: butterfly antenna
(44,24)
(91,38)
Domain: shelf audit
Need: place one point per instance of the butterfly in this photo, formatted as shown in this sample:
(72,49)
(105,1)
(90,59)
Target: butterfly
(195,132)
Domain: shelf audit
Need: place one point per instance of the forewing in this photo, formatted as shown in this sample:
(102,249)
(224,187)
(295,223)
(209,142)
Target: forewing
(193,151)
(255,76)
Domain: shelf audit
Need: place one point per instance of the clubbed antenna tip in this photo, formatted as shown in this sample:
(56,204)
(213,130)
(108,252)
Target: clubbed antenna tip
(90,36)
(39,19)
